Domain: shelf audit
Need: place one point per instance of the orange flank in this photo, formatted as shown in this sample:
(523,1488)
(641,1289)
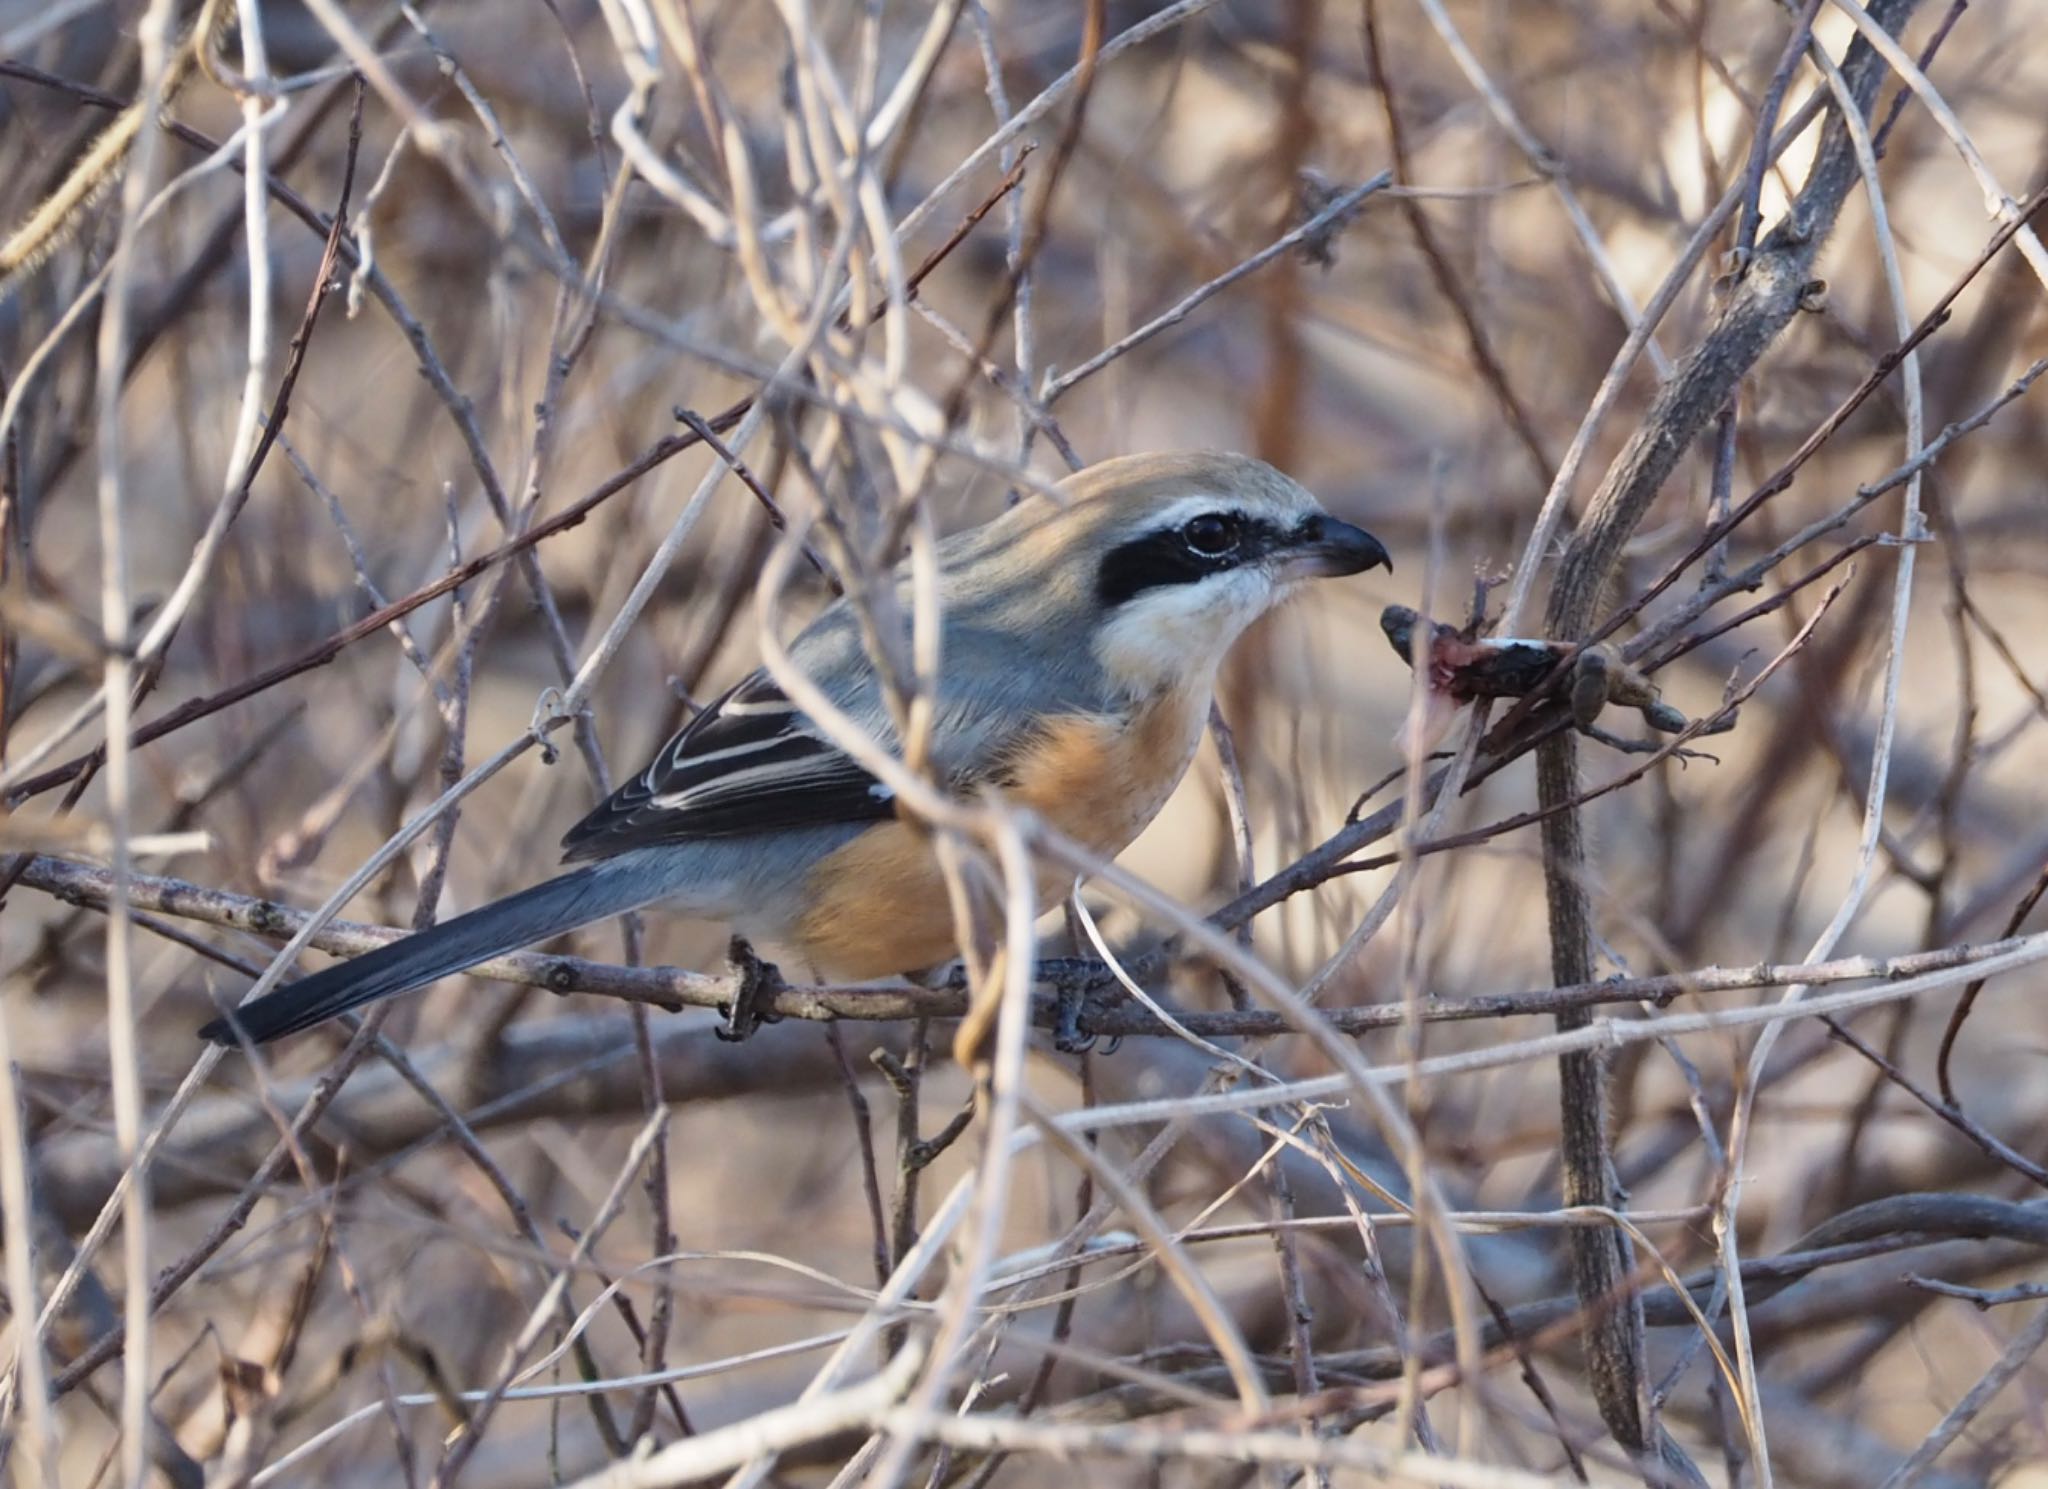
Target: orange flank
(878,906)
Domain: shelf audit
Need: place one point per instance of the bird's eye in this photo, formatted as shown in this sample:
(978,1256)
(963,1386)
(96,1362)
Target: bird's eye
(1210,535)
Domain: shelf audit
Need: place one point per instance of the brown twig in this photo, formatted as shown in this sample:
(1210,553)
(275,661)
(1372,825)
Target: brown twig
(1485,360)
(1961,1013)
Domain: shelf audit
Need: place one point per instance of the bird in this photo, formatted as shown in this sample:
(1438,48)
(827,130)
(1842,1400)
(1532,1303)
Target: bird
(1080,638)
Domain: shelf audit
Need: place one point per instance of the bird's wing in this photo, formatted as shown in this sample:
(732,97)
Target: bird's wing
(750,762)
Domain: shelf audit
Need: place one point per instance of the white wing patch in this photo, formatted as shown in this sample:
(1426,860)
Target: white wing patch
(749,763)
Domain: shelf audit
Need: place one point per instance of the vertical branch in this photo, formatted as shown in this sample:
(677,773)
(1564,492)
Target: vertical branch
(122,1052)
(1276,414)
(12,533)
(1764,299)
(1484,359)
(30,1387)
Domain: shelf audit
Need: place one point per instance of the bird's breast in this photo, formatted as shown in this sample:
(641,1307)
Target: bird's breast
(879,905)
(1100,779)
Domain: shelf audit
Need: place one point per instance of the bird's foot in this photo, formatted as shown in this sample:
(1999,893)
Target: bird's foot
(1070,999)
(1082,990)
(755,982)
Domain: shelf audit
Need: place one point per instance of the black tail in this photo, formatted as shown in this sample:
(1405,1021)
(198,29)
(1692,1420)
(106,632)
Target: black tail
(575,899)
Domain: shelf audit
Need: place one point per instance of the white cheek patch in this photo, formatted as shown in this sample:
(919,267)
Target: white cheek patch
(1176,630)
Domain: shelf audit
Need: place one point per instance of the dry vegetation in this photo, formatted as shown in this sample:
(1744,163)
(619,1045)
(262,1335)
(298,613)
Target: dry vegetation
(399,534)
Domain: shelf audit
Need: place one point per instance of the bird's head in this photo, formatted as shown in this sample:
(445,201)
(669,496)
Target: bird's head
(1175,555)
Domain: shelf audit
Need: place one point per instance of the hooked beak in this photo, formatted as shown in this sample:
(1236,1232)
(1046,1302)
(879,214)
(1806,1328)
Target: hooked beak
(1325,548)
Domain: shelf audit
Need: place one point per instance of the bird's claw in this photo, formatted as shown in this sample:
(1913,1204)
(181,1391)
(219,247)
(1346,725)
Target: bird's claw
(1067,1036)
(1071,999)
(754,982)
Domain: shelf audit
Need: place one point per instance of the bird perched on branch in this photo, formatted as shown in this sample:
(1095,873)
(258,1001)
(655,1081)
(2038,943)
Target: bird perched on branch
(1079,647)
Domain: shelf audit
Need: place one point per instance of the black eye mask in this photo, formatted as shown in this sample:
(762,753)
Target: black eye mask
(1208,543)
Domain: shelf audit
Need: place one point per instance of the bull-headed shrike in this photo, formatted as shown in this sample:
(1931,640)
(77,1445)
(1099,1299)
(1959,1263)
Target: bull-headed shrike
(1080,643)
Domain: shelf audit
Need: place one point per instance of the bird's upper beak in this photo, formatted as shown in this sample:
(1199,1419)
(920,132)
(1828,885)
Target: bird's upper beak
(1325,548)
